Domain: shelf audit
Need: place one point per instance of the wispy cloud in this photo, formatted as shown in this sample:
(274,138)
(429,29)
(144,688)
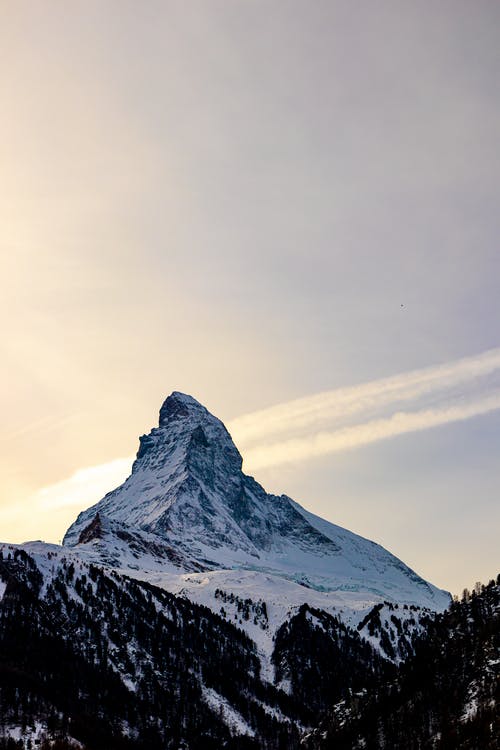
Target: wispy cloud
(328,422)
(324,442)
(85,487)
(346,418)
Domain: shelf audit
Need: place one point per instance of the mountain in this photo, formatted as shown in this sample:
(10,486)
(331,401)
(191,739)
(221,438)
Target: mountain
(190,609)
(187,491)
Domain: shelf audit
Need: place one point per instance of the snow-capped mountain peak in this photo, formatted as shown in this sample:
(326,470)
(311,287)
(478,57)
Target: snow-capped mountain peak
(187,491)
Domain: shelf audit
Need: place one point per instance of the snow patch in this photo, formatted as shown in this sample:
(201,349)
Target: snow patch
(232,718)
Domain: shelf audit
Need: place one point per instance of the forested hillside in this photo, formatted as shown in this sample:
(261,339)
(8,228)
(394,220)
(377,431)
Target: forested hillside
(445,696)
(117,664)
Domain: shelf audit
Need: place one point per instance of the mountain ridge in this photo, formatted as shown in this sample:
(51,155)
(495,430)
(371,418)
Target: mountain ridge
(187,487)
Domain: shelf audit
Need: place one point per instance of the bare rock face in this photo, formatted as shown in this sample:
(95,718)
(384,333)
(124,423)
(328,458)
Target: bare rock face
(188,490)
(92,531)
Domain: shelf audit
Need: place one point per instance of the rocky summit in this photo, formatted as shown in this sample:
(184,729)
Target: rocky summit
(187,490)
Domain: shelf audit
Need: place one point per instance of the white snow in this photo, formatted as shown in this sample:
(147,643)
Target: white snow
(221,706)
(34,733)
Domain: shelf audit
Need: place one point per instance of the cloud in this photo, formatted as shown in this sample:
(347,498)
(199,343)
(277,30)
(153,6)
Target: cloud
(328,422)
(347,418)
(322,443)
(85,487)
(362,400)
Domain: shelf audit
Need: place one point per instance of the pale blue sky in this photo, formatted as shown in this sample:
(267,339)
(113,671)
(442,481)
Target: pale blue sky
(233,199)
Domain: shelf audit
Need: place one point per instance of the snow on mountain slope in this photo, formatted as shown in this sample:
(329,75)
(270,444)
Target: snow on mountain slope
(187,493)
(253,601)
(187,486)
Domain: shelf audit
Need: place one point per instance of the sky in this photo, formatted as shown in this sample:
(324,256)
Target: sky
(286,209)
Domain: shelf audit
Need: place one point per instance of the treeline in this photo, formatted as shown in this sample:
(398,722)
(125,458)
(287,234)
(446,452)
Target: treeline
(122,665)
(322,660)
(119,664)
(444,697)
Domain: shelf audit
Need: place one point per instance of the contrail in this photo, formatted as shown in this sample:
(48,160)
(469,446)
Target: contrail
(313,411)
(323,443)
